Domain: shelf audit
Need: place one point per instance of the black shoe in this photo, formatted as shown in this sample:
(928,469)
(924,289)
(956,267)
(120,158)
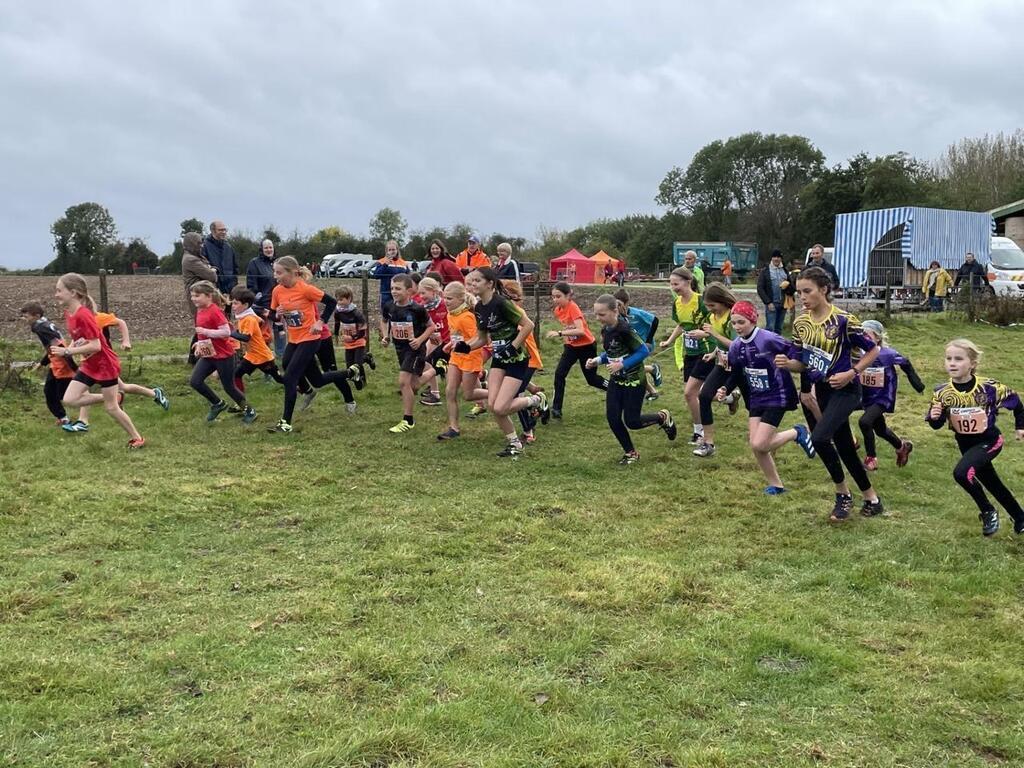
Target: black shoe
(555,414)
(668,424)
(630,457)
(989,522)
(841,511)
(370,361)
(511,450)
(216,410)
(872,508)
(356,376)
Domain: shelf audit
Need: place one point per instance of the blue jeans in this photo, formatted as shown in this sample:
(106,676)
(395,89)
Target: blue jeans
(936,303)
(773,317)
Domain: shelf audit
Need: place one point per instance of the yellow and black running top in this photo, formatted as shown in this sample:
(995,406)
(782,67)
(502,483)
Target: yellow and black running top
(971,408)
(826,347)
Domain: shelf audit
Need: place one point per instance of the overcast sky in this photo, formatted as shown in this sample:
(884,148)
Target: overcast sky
(505,115)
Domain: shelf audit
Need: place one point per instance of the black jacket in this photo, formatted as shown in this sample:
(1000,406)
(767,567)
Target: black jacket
(259,278)
(222,258)
(764,285)
(975,274)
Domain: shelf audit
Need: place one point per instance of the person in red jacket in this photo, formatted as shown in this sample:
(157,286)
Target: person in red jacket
(443,263)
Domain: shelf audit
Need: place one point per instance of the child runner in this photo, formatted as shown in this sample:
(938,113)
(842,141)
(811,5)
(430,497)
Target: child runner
(579,344)
(503,324)
(215,352)
(407,325)
(463,368)
(296,303)
(645,325)
(60,370)
(437,357)
(823,342)
(879,387)
(691,343)
(769,391)
(624,353)
(970,407)
(355,337)
(719,300)
(99,364)
(528,416)
(252,331)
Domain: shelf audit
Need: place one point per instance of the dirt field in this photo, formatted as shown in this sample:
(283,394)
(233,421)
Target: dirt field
(154,306)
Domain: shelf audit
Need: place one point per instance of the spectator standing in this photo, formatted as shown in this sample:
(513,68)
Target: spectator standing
(259,278)
(506,267)
(727,272)
(472,257)
(620,274)
(443,263)
(936,286)
(609,271)
(386,268)
(690,262)
(194,269)
(818,260)
(972,271)
(770,291)
(221,255)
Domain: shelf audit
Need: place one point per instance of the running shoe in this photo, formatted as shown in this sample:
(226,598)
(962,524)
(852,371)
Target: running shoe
(871,463)
(1018,525)
(136,444)
(704,450)
(989,522)
(903,454)
(774,490)
(630,457)
(872,508)
(62,422)
(652,396)
(449,434)
(696,439)
(656,374)
(477,410)
(216,410)
(841,510)
(556,414)
(512,449)
(733,401)
(249,415)
(400,427)
(281,426)
(803,439)
(350,407)
(529,438)
(545,409)
(430,399)
(307,400)
(75,426)
(235,410)
(668,424)
(356,375)
(160,398)
(370,361)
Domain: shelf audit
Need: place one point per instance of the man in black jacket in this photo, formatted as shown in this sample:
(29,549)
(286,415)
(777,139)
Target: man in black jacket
(221,255)
(974,273)
(818,260)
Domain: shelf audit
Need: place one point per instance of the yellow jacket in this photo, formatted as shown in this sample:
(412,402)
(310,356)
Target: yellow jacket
(942,281)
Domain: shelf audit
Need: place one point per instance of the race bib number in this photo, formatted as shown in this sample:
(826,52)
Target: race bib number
(293,319)
(873,377)
(690,343)
(498,345)
(757,379)
(204,348)
(816,359)
(401,331)
(349,329)
(968,421)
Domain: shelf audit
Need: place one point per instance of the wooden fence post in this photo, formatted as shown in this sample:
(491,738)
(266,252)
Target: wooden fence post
(366,294)
(536,312)
(103,291)
(888,297)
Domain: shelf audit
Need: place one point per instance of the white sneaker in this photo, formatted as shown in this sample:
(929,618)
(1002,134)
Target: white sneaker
(350,407)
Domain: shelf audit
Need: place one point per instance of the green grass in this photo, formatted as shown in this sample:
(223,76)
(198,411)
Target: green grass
(346,597)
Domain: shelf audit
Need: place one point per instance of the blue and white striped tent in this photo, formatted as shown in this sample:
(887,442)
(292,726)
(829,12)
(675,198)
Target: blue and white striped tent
(930,234)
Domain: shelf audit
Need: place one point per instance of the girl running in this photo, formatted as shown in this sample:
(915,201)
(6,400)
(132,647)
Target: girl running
(691,343)
(407,325)
(769,391)
(98,365)
(505,326)
(437,357)
(719,300)
(295,302)
(579,344)
(645,325)
(463,368)
(215,351)
(879,386)
(624,354)
(970,407)
(823,341)
(528,416)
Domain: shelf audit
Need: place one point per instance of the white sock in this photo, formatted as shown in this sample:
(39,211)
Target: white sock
(512,437)
(698,429)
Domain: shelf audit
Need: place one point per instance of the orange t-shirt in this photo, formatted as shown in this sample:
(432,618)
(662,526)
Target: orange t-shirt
(531,347)
(105,319)
(462,327)
(256,350)
(567,316)
(299,309)
(478,259)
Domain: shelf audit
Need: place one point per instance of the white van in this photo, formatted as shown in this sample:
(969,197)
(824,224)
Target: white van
(1006,268)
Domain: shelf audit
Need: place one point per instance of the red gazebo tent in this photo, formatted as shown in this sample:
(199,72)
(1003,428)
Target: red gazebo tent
(573,267)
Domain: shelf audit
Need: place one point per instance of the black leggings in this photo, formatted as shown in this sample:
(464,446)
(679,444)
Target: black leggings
(225,368)
(300,364)
(356,356)
(245,368)
(53,390)
(975,469)
(708,390)
(832,436)
(525,418)
(570,356)
(872,423)
(622,409)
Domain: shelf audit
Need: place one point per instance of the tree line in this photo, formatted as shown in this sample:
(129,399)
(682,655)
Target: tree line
(772,189)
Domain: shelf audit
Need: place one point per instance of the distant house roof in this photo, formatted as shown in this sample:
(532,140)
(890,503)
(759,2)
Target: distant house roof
(1007,210)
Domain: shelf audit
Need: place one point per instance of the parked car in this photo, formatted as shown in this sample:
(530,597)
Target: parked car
(332,264)
(1006,267)
(355,267)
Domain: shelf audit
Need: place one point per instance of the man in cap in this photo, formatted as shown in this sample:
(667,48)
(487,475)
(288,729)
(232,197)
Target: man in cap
(472,257)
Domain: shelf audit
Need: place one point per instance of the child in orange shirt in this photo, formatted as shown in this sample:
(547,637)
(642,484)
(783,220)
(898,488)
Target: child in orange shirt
(579,345)
(59,370)
(254,334)
(464,369)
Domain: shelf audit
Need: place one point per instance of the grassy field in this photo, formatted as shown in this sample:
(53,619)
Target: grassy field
(347,597)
